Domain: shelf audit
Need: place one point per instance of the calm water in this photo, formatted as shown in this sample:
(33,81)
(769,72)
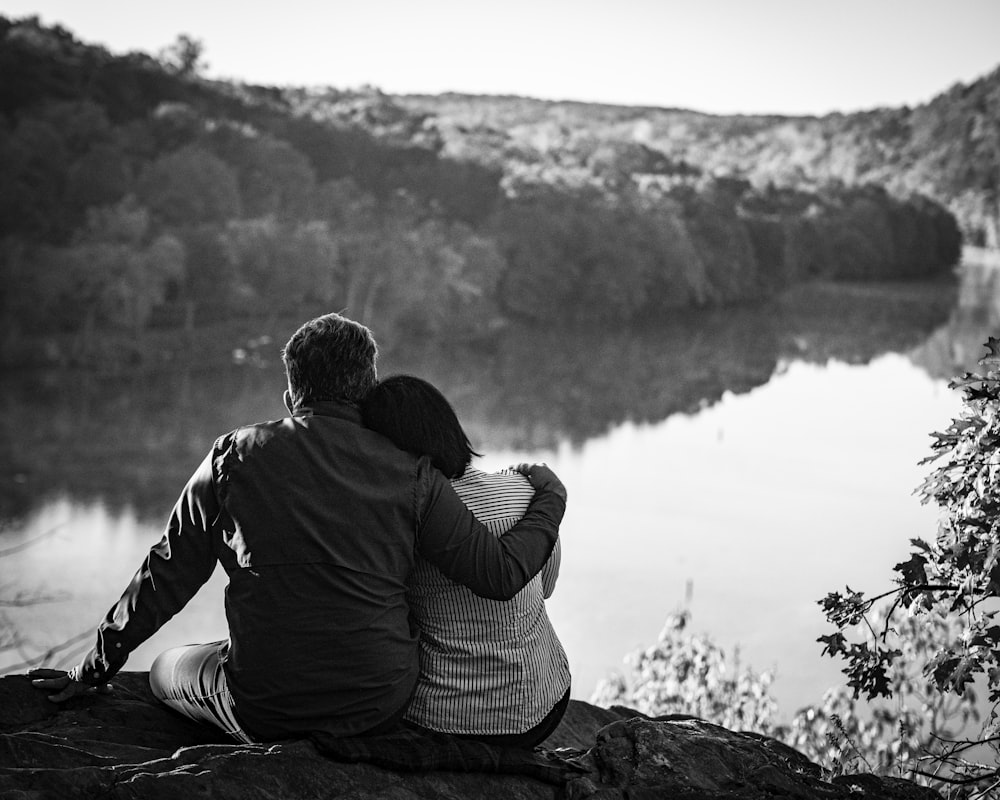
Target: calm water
(762,457)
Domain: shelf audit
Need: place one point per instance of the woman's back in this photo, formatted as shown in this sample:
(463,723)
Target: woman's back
(486,667)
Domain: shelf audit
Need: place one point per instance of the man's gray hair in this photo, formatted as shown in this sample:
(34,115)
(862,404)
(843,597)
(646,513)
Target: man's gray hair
(330,358)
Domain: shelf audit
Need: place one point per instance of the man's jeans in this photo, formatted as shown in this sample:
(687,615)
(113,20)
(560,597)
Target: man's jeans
(191,680)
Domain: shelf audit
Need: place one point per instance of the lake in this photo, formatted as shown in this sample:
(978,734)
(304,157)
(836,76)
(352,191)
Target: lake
(756,458)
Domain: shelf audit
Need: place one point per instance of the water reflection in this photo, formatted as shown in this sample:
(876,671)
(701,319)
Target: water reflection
(957,345)
(65,565)
(130,441)
(535,390)
(730,449)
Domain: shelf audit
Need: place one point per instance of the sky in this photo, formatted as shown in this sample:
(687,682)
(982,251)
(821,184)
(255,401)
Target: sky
(717,56)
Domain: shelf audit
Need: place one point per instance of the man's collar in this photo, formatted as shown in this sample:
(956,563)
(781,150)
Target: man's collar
(330,408)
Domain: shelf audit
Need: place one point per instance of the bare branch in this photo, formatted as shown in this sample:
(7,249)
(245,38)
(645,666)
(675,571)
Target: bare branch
(967,781)
(52,652)
(33,541)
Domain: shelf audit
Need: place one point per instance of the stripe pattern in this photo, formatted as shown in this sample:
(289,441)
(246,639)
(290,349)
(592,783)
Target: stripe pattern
(486,667)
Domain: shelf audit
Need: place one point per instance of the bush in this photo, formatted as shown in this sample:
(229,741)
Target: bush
(956,578)
(687,674)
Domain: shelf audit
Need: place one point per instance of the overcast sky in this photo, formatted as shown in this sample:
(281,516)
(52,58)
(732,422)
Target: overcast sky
(720,56)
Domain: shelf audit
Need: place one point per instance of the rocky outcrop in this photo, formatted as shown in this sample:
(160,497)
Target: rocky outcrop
(125,745)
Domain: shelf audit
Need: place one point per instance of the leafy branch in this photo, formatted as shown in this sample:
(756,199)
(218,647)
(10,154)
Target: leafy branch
(954,578)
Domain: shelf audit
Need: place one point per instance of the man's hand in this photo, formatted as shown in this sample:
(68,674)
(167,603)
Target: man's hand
(60,682)
(541,477)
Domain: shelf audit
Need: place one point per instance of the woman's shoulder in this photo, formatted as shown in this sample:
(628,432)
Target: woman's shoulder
(502,477)
(506,482)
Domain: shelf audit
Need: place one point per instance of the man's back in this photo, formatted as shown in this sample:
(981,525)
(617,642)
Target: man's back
(318,532)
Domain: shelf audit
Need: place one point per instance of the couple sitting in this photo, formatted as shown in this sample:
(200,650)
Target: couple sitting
(365,587)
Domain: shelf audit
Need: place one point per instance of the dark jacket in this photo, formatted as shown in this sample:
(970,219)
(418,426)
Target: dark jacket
(317,520)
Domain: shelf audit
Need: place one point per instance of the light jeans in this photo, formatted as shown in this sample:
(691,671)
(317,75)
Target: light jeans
(190,679)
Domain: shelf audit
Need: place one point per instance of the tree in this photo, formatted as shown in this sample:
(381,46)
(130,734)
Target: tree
(283,264)
(185,57)
(99,177)
(676,276)
(533,233)
(574,257)
(33,161)
(687,674)
(861,237)
(447,279)
(373,241)
(211,281)
(189,186)
(113,272)
(723,242)
(899,737)
(956,577)
(275,178)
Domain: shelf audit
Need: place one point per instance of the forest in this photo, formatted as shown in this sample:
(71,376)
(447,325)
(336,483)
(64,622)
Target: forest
(137,196)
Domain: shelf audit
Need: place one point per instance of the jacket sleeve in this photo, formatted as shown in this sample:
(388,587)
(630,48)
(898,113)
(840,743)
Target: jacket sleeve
(550,572)
(171,574)
(454,541)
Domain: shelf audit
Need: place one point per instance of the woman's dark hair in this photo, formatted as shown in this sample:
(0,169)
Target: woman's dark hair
(416,417)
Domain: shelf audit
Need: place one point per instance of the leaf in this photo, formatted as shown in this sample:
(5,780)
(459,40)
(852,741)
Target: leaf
(834,644)
(941,668)
(841,610)
(989,637)
(912,572)
(993,348)
(963,673)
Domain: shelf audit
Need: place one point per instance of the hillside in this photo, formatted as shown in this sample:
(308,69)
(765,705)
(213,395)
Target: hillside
(135,193)
(947,149)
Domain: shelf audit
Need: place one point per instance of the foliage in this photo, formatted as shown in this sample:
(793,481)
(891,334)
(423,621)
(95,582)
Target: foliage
(185,56)
(956,577)
(687,674)
(283,265)
(189,186)
(948,148)
(115,272)
(284,202)
(690,674)
(909,734)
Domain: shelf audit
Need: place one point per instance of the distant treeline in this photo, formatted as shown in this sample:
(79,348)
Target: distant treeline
(134,194)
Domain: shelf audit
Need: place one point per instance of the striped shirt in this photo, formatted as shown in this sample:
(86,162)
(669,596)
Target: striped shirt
(486,667)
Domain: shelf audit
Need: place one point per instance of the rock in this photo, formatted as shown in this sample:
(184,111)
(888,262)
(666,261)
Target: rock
(126,745)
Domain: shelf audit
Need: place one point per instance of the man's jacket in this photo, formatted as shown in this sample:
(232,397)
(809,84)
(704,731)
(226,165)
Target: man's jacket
(317,521)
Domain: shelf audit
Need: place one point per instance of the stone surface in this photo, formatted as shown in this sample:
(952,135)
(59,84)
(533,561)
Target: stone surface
(125,745)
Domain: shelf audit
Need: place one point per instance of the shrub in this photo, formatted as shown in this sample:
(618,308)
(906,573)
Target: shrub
(955,578)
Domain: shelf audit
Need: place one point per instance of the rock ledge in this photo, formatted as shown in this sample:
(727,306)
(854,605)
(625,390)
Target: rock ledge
(126,745)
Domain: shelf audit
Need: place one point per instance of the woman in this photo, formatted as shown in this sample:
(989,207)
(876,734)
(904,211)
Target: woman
(492,671)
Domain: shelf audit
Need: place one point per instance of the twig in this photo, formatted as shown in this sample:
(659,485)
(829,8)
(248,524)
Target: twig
(51,652)
(958,781)
(987,792)
(961,746)
(23,602)
(25,545)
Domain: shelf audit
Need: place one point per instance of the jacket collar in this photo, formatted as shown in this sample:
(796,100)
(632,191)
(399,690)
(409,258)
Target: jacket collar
(330,408)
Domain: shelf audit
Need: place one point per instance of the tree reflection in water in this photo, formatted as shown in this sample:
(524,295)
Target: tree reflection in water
(111,452)
(132,440)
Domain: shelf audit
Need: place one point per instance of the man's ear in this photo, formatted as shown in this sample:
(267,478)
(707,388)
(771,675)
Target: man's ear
(287,398)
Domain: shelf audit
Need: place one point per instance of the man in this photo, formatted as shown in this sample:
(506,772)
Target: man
(317,521)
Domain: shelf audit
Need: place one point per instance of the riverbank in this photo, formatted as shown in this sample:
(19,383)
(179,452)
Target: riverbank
(256,341)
